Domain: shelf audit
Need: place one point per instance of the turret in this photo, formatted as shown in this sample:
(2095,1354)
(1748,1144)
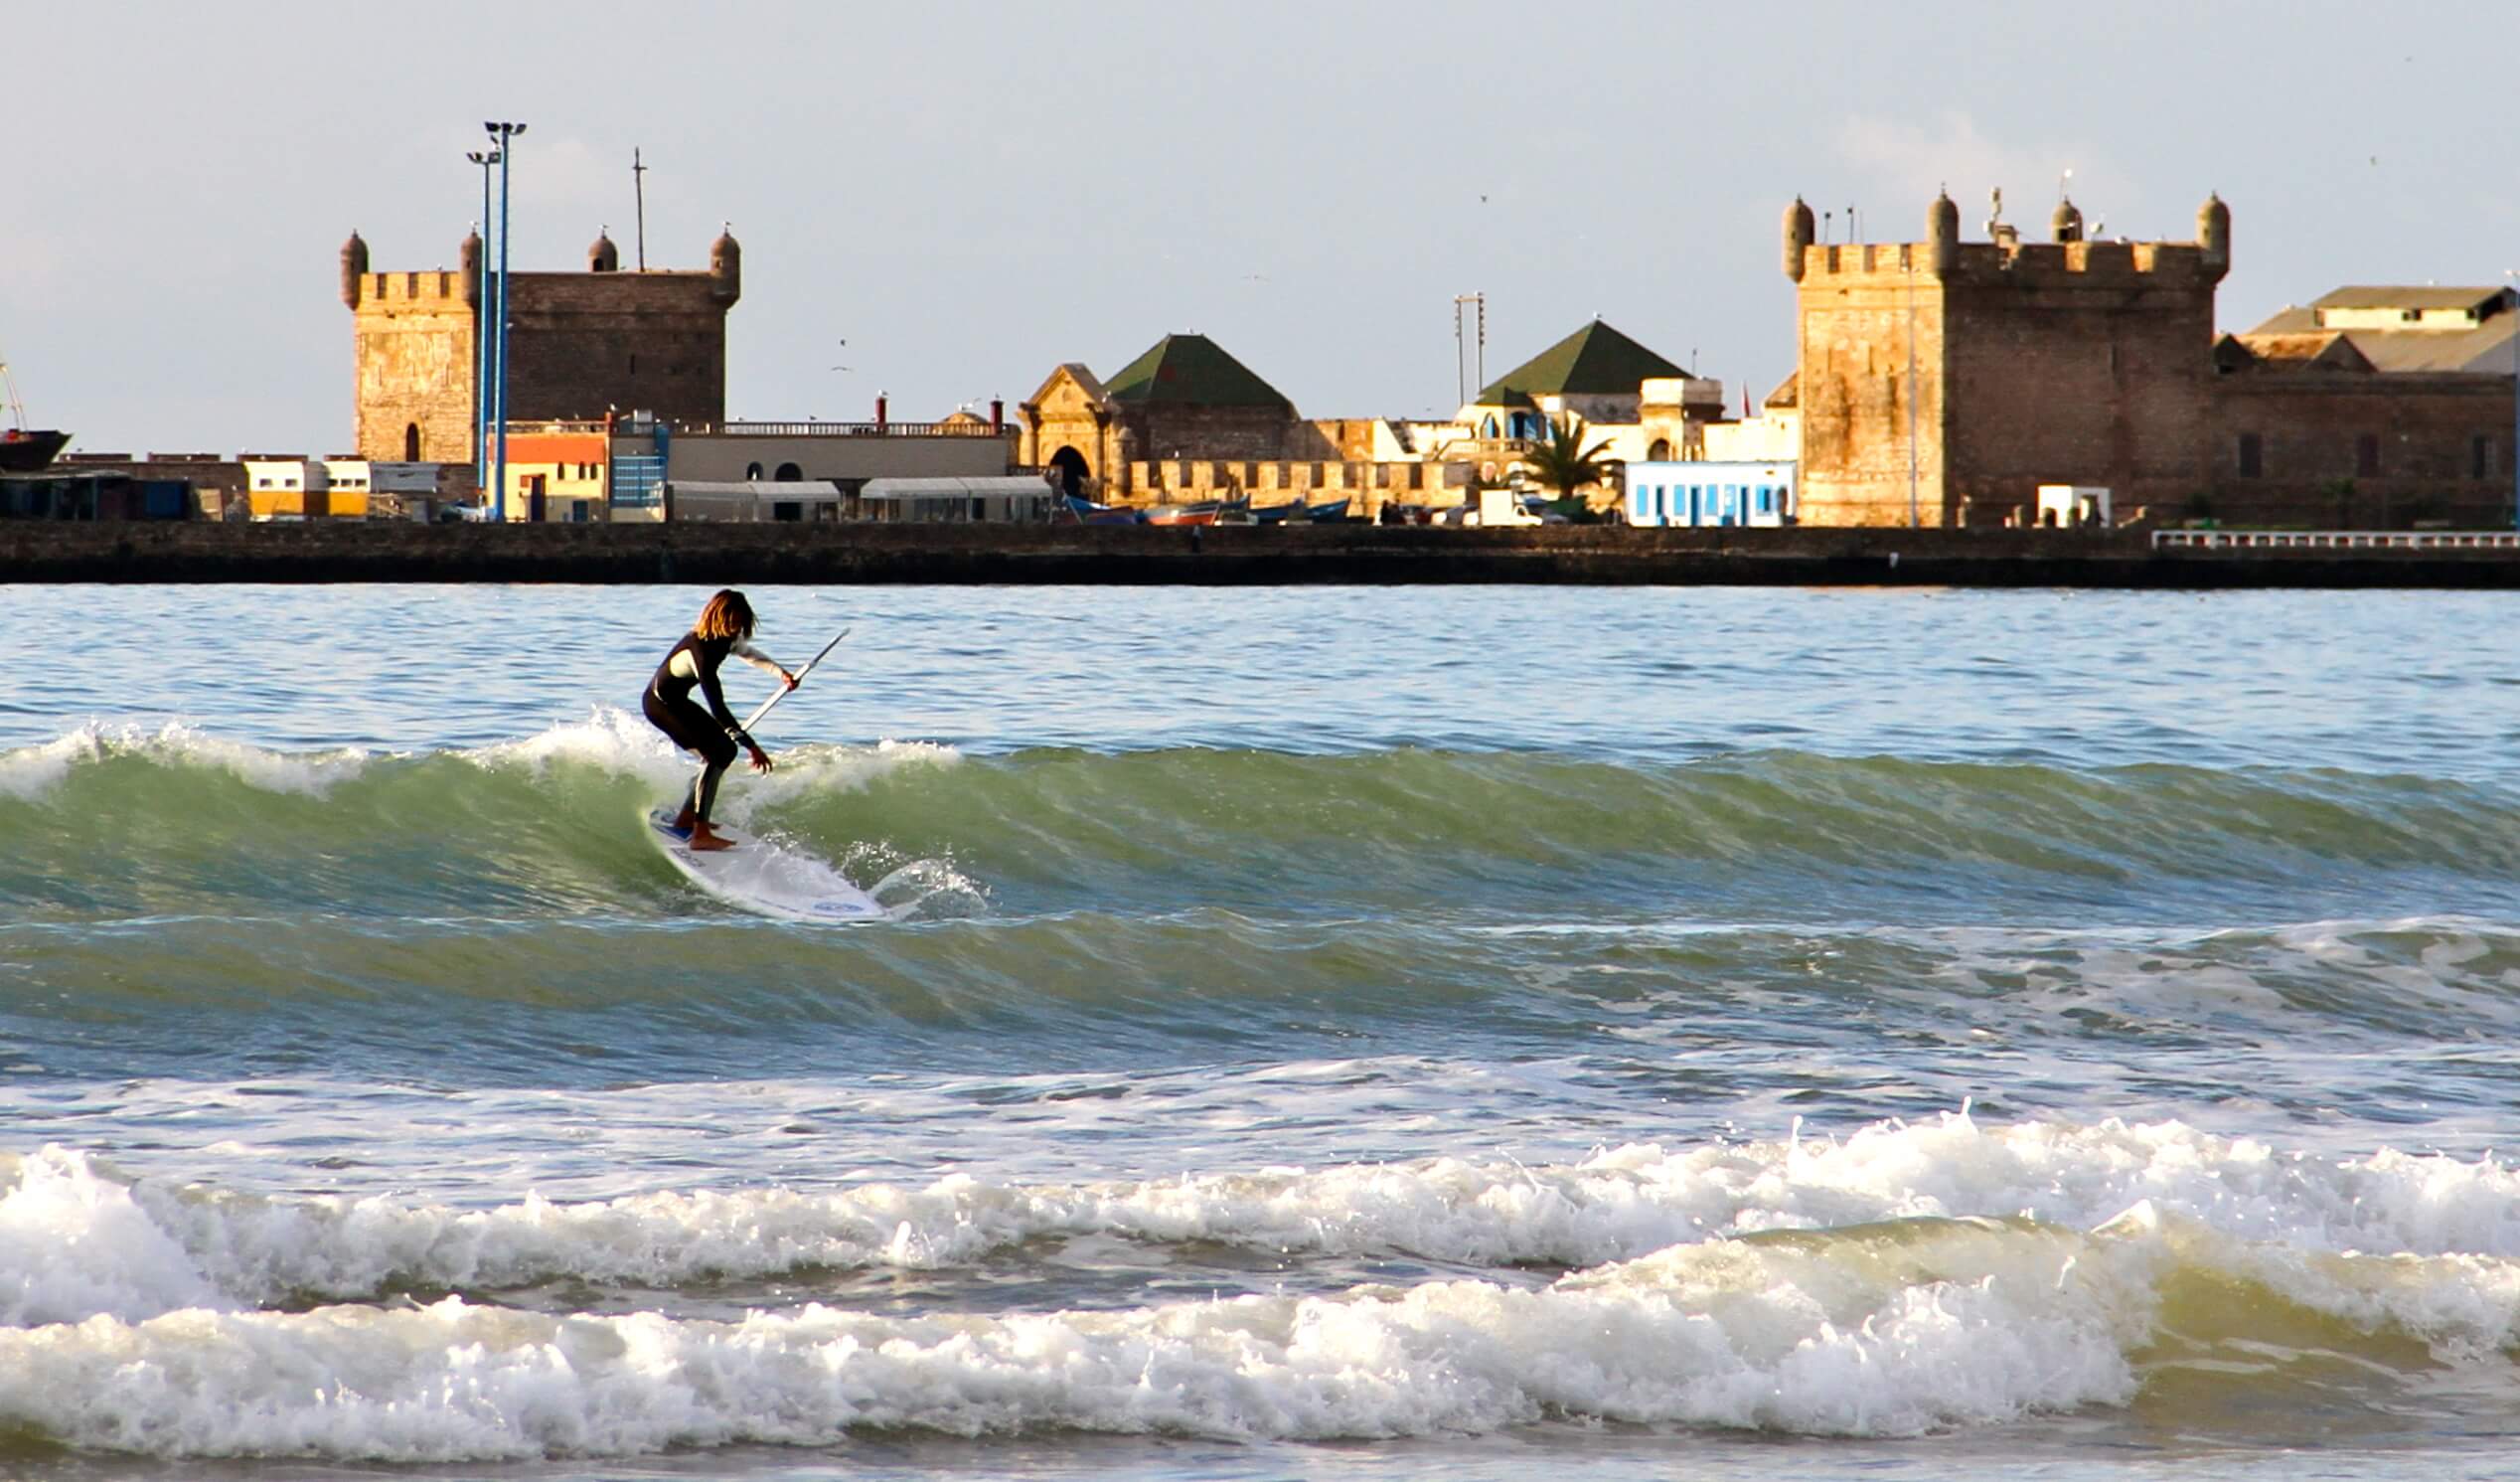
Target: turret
(2068,221)
(1941,234)
(354,269)
(725,264)
(469,259)
(2213,233)
(604,256)
(1798,237)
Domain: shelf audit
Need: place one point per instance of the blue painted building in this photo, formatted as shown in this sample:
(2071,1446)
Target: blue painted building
(1710,493)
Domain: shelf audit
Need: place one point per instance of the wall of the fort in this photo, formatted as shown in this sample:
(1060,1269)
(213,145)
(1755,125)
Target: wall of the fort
(2362,451)
(2077,365)
(413,352)
(581,343)
(1858,309)
(1264,482)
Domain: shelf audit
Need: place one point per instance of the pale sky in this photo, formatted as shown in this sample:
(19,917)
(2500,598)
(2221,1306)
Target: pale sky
(969,194)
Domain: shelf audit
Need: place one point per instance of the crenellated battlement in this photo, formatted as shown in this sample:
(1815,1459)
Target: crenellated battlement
(2028,263)
(434,289)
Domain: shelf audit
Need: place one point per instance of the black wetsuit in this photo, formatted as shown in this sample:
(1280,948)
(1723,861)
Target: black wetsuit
(713,733)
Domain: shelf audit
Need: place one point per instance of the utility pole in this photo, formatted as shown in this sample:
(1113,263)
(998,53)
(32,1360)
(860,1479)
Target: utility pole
(1463,351)
(639,187)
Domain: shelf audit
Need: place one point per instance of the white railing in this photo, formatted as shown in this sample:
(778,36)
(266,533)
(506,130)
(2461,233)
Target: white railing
(2337,540)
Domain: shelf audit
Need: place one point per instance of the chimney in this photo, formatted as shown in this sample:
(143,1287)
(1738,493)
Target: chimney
(880,411)
(996,414)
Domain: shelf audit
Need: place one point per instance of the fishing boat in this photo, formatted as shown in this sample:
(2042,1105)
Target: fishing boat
(1090,513)
(1205,513)
(1273,513)
(1327,514)
(25,449)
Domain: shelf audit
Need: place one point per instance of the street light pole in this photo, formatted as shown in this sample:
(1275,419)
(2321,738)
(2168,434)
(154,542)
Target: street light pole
(481,313)
(506,134)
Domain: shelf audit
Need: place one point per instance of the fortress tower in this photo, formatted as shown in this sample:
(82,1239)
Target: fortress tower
(2072,362)
(579,345)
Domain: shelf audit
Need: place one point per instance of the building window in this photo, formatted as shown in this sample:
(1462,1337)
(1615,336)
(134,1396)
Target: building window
(2367,454)
(1661,453)
(634,365)
(411,443)
(2252,455)
(752,472)
(2480,456)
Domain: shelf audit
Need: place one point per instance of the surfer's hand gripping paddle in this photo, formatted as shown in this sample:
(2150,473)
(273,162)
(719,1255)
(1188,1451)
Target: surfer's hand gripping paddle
(756,718)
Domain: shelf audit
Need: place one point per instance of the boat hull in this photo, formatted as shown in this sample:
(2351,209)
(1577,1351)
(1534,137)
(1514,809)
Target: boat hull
(30,450)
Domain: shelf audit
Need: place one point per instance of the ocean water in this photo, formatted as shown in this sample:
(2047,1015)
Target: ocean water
(1469,1032)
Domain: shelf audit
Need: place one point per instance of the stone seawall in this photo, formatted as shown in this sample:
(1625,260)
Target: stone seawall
(364,551)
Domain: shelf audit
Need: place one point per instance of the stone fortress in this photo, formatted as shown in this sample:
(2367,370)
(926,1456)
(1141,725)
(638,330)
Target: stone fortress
(580,345)
(1964,375)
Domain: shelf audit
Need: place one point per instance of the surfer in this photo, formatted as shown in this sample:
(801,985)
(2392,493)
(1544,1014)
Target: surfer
(725,627)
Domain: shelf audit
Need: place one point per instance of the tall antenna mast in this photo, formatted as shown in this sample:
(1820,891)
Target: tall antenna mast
(639,188)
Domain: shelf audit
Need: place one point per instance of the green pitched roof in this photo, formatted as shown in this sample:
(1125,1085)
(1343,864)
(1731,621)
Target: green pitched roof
(1193,371)
(1595,360)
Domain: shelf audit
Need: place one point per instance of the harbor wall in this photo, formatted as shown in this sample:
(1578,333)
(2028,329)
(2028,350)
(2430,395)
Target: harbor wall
(380,551)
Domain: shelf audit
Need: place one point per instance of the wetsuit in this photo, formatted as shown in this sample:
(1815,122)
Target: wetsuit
(713,733)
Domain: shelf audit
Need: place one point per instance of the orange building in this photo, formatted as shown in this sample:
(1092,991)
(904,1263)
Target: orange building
(560,474)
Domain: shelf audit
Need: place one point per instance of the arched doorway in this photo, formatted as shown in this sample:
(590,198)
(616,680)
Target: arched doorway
(788,473)
(752,473)
(411,443)
(1661,453)
(1069,465)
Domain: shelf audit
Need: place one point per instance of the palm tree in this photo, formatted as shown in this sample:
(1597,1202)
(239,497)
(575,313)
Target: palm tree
(1563,464)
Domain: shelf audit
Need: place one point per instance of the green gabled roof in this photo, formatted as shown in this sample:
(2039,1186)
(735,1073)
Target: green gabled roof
(1592,360)
(1193,371)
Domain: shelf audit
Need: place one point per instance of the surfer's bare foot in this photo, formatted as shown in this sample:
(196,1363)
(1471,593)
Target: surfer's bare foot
(703,838)
(683,821)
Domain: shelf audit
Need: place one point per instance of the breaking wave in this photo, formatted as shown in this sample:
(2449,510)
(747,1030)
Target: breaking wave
(1909,1278)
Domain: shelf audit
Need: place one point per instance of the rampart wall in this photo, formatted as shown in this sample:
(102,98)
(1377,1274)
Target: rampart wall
(375,551)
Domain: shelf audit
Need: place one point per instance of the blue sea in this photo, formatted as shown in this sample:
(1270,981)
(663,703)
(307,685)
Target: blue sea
(1347,1032)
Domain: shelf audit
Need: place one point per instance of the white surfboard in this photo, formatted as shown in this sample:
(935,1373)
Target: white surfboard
(763,878)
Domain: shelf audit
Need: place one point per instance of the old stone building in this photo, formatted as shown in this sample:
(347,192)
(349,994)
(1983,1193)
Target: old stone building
(2374,408)
(579,345)
(1185,397)
(1963,376)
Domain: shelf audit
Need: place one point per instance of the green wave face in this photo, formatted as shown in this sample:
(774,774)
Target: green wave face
(163,826)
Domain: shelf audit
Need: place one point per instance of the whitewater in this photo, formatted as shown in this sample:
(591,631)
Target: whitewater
(1471,1033)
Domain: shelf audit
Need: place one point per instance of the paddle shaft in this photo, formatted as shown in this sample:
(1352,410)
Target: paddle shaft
(756,718)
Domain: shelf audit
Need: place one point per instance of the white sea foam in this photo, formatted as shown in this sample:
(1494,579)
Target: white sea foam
(1883,1330)
(1730,1339)
(618,740)
(29,772)
(1620,1204)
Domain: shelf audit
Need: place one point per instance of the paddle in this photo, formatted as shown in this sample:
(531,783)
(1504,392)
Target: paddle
(756,718)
